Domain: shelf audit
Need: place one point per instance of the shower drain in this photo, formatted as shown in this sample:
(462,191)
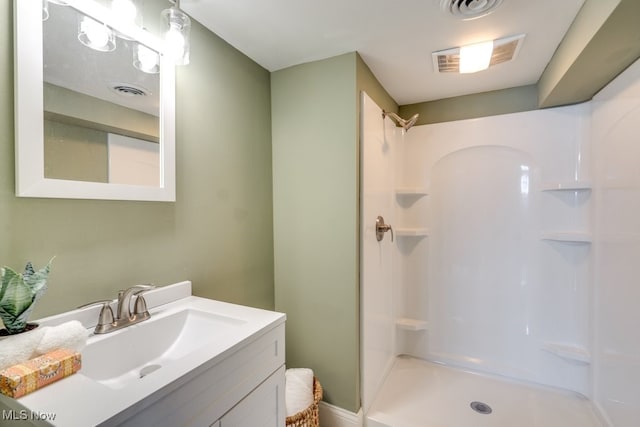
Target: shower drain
(481,408)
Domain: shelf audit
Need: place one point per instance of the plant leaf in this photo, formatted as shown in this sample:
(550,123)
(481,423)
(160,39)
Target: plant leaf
(37,280)
(19,292)
(28,270)
(17,298)
(7,275)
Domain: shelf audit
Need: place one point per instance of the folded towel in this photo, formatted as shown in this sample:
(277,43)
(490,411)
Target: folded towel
(298,390)
(16,349)
(22,347)
(71,335)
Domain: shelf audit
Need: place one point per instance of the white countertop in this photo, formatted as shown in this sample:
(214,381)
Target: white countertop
(81,401)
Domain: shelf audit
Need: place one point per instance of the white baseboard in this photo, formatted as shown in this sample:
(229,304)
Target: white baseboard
(333,416)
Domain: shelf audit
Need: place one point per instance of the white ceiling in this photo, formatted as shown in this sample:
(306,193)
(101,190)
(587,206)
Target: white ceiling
(394,37)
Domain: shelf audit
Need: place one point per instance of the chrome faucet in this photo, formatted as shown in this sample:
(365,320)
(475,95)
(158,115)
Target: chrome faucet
(107,322)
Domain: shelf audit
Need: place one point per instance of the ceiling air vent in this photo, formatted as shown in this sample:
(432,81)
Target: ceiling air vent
(127,89)
(470,9)
(504,50)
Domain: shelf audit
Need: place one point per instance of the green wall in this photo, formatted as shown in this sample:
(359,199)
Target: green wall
(512,100)
(219,232)
(75,152)
(316,157)
(315,202)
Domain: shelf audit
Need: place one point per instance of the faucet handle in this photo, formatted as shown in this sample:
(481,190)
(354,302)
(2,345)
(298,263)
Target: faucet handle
(105,318)
(140,307)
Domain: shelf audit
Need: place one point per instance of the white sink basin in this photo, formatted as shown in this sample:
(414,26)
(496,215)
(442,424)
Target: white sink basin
(127,371)
(131,354)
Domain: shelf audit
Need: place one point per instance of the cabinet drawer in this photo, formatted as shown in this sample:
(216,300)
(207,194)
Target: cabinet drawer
(264,407)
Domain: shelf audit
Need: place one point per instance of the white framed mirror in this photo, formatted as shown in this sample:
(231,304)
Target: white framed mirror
(89,124)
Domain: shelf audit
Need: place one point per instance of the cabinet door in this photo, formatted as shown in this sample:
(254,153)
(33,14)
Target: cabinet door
(264,406)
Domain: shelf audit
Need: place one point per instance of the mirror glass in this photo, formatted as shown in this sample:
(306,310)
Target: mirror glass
(94,106)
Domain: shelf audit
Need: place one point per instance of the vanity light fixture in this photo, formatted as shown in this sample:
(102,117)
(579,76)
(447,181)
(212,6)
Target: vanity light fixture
(45,7)
(146,60)
(45,10)
(96,35)
(178,27)
(127,12)
(478,56)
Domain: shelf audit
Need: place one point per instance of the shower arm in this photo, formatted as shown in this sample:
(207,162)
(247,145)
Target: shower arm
(405,124)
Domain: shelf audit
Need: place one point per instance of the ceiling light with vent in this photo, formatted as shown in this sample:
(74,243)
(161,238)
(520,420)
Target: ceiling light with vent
(478,56)
(475,57)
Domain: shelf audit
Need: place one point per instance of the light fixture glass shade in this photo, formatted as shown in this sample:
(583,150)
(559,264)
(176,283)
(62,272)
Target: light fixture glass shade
(45,10)
(475,57)
(176,38)
(146,60)
(127,12)
(96,35)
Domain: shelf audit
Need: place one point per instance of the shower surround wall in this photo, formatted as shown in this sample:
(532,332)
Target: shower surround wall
(379,149)
(517,247)
(505,283)
(615,130)
(492,227)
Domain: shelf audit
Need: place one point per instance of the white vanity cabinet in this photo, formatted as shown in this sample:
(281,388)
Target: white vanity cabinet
(212,364)
(263,407)
(245,389)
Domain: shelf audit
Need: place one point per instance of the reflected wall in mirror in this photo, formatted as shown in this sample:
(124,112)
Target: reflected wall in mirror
(91,122)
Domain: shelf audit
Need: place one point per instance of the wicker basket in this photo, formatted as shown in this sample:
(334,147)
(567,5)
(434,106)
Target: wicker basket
(310,417)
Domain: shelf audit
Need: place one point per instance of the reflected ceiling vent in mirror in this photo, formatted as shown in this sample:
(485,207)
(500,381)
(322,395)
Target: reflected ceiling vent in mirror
(127,89)
(478,56)
(469,9)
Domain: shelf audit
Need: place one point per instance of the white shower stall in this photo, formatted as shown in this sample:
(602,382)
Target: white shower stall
(515,257)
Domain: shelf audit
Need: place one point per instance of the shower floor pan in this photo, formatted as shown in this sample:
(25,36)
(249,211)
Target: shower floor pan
(417,393)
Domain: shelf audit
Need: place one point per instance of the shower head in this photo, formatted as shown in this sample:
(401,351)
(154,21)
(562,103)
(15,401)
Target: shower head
(412,121)
(405,124)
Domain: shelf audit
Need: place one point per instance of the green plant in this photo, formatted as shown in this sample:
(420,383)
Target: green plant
(18,294)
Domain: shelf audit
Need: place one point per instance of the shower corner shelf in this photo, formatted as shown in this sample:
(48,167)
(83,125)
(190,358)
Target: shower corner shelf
(412,232)
(569,352)
(408,324)
(568,237)
(566,186)
(412,191)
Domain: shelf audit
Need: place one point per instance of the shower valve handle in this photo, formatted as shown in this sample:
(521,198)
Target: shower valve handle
(382,228)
